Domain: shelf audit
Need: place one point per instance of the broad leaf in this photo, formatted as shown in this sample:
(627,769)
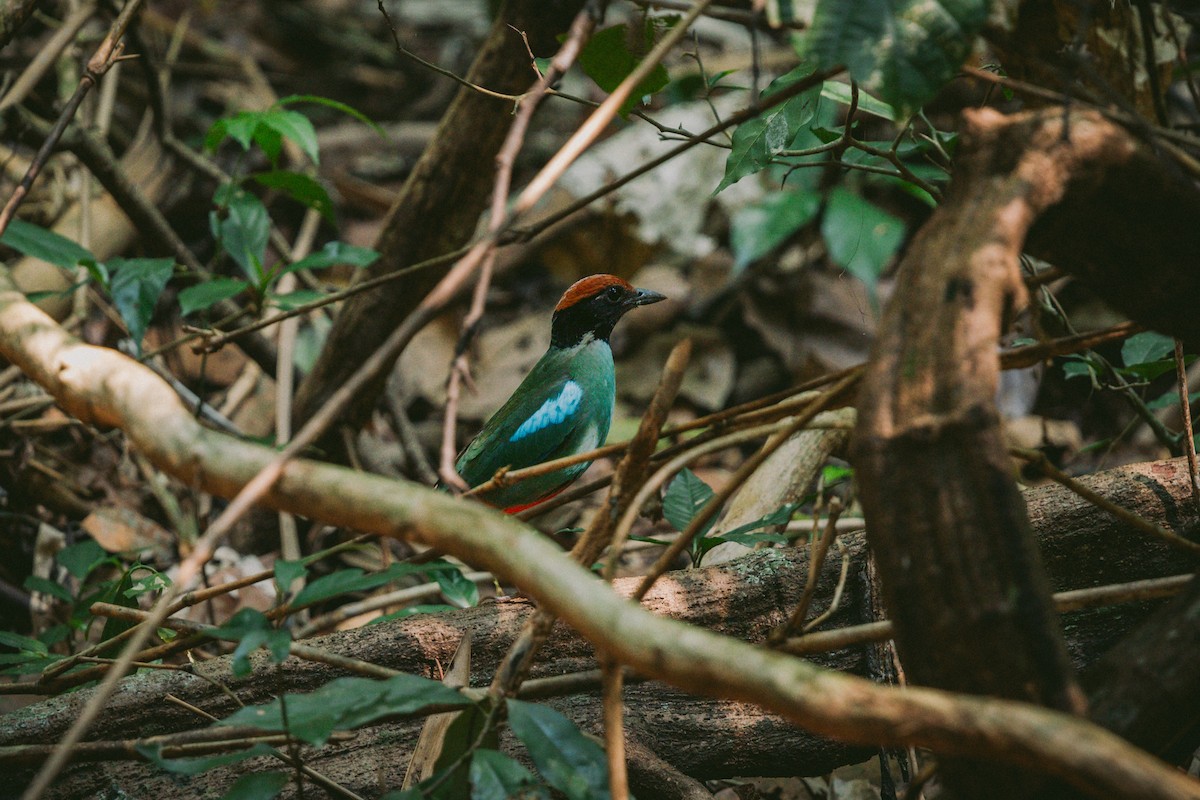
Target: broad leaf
(756,141)
(300,187)
(209,293)
(566,759)
(759,228)
(257,786)
(495,776)
(36,241)
(685,496)
(336,106)
(1146,347)
(904,51)
(243,230)
(292,300)
(608,59)
(354,580)
(840,93)
(195,766)
(81,558)
(136,285)
(252,630)
(334,253)
(861,237)
(347,703)
(457,588)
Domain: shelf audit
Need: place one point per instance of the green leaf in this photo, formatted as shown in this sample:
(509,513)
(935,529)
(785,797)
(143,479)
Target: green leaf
(833,474)
(685,496)
(566,759)
(608,59)
(257,786)
(902,50)
(36,583)
(292,300)
(137,284)
(354,580)
(251,630)
(759,228)
(209,293)
(1145,347)
(458,740)
(495,776)
(457,588)
(243,231)
(840,93)
(756,141)
(336,106)
(287,572)
(302,188)
(779,516)
(861,237)
(81,558)
(38,242)
(117,593)
(24,645)
(347,703)
(294,126)
(428,608)
(334,253)
(195,766)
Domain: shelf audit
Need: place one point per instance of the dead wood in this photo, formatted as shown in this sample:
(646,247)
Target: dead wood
(960,570)
(439,205)
(701,738)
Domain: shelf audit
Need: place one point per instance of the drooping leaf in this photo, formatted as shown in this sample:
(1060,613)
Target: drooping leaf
(608,59)
(209,293)
(861,236)
(257,786)
(334,253)
(81,558)
(495,776)
(252,630)
(759,228)
(38,242)
(292,300)
(457,588)
(458,739)
(427,608)
(36,583)
(136,285)
(354,580)
(1145,347)
(684,498)
(336,105)
(302,188)
(756,141)
(840,93)
(294,126)
(195,766)
(243,230)
(904,51)
(287,572)
(347,703)
(566,759)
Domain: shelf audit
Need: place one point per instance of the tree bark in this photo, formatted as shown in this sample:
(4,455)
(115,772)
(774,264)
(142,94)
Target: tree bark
(439,205)
(961,574)
(701,738)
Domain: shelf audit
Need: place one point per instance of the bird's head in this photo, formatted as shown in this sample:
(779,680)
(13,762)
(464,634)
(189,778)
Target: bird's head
(592,306)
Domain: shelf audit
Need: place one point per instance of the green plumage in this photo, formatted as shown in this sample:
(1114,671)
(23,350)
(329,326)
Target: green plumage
(559,420)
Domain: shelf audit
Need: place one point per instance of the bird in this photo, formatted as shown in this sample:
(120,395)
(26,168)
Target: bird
(564,405)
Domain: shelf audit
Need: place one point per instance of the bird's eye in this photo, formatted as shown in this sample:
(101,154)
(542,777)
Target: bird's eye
(612,293)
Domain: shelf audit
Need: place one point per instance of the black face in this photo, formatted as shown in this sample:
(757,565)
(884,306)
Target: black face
(597,314)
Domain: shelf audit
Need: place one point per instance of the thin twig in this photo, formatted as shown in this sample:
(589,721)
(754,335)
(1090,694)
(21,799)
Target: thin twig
(1185,407)
(110,49)
(816,560)
(1038,460)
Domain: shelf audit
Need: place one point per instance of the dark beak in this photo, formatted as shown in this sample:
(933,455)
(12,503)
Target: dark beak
(644,297)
